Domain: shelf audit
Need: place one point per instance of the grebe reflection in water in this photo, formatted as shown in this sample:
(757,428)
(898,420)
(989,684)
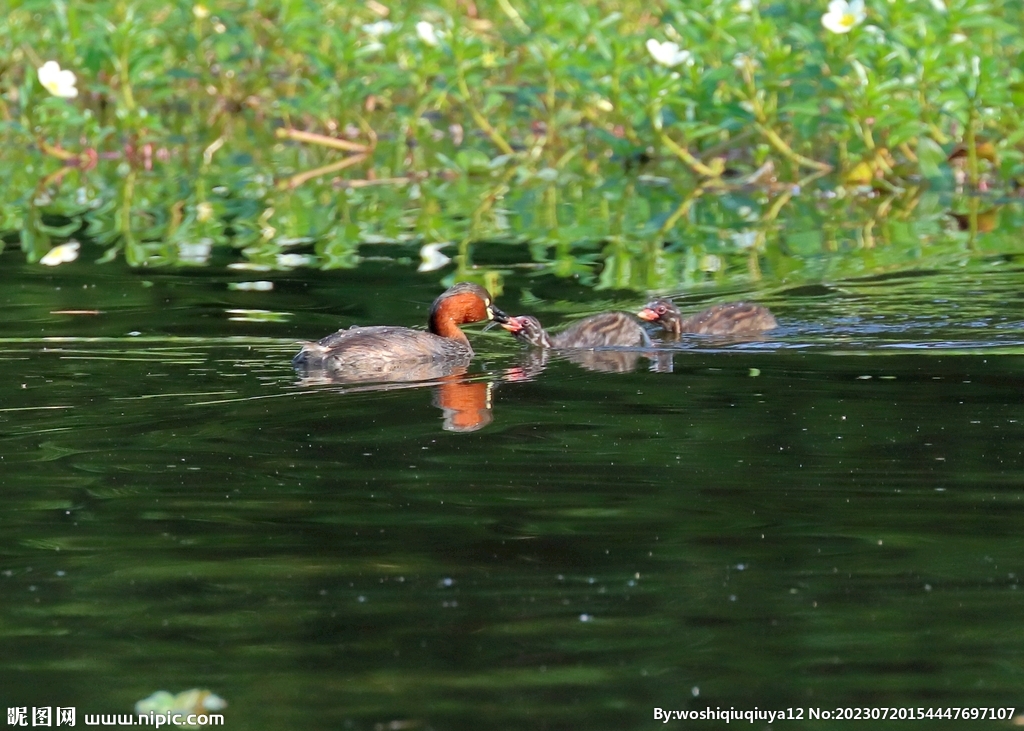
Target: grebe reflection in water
(465,401)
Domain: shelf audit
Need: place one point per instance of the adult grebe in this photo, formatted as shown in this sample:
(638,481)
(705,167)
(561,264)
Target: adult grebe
(400,353)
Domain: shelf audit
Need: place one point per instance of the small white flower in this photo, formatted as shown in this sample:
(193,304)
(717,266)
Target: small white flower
(427,33)
(195,252)
(259,286)
(939,6)
(744,239)
(378,29)
(431,257)
(842,16)
(56,81)
(204,211)
(292,260)
(61,254)
(668,53)
(742,61)
(710,263)
(201,12)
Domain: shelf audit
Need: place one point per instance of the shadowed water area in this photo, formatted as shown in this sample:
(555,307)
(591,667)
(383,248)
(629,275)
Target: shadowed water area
(826,517)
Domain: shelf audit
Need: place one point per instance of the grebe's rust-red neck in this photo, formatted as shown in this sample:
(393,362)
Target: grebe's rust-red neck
(462,303)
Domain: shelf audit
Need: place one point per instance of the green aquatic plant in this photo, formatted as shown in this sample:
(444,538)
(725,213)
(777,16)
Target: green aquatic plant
(626,145)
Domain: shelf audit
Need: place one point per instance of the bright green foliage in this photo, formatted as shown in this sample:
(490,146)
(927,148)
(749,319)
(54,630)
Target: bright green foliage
(665,141)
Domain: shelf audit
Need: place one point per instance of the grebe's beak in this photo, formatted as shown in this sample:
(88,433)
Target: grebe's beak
(647,314)
(497,315)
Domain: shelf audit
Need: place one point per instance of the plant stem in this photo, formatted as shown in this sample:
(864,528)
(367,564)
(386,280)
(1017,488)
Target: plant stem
(680,211)
(478,117)
(972,147)
(296,180)
(788,152)
(318,139)
(762,125)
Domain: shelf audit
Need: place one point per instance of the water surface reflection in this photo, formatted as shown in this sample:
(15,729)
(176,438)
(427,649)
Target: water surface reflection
(465,401)
(806,519)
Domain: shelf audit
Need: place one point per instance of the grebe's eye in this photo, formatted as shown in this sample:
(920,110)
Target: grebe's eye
(661,309)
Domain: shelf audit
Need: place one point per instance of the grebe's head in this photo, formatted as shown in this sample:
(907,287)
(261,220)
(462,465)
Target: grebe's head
(527,329)
(463,302)
(663,312)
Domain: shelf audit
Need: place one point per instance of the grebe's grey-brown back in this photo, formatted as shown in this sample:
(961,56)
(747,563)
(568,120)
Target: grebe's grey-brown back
(400,353)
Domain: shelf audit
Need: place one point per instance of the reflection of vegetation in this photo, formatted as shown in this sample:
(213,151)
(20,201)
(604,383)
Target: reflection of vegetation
(629,149)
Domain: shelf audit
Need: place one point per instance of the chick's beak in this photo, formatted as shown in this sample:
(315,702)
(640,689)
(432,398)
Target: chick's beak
(647,314)
(512,325)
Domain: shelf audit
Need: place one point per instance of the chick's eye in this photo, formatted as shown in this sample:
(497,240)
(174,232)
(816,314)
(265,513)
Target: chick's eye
(661,309)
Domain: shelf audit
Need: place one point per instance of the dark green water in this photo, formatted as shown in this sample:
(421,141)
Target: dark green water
(830,517)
